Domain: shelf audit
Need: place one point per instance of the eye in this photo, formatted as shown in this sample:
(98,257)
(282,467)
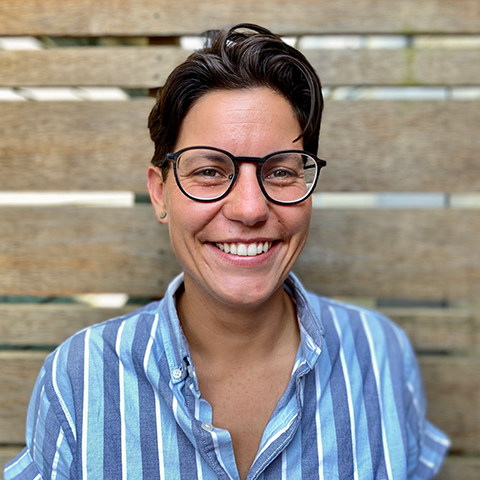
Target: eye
(207,172)
(280,173)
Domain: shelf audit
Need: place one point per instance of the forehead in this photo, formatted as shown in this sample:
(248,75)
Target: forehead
(234,119)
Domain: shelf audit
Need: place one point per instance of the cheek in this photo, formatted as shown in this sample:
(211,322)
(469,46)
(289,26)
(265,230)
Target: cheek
(301,219)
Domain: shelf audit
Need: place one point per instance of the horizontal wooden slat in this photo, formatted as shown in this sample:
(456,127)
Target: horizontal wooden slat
(129,67)
(457,467)
(393,254)
(429,254)
(18,372)
(369,146)
(148,67)
(76,250)
(453,392)
(166,17)
(452,388)
(444,329)
(75,145)
(449,330)
(44,324)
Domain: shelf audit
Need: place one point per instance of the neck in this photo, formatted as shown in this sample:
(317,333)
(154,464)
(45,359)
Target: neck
(217,332)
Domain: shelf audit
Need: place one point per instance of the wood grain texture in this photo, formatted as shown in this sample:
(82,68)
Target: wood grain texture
(425,254)
(453,393)
(148,67)
(18,372)
(166,17)
(393,253)
(75,145)
(77,250)
(369,146)
(451,383)
(43,324)
(445,330)
(455,468)
(129,67)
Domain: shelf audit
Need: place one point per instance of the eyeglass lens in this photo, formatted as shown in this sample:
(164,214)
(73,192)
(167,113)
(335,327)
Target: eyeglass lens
(207,174)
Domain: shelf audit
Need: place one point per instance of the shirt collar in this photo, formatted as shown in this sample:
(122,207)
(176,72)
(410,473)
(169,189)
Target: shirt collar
(176,346)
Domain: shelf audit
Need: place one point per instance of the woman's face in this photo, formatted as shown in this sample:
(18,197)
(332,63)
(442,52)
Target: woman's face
(246,123)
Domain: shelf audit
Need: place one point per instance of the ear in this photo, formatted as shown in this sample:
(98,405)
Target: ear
(156,189)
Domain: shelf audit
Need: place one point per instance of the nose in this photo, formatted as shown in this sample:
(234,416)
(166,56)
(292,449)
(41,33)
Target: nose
(246,202)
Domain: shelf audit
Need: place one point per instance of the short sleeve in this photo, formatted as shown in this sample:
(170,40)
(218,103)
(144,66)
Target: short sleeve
(427,445)
(22,467)
(47,454)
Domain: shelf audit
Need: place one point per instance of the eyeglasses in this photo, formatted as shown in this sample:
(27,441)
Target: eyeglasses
(207,174)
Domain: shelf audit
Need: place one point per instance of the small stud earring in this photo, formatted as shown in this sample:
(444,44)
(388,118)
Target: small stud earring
(163,215)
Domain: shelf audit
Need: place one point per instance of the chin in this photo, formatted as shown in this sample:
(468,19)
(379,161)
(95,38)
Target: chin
(245,293)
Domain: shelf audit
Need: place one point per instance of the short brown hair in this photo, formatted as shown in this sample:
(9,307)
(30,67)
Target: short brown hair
(236,59)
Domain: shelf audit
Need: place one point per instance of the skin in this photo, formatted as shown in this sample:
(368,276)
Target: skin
(240,323)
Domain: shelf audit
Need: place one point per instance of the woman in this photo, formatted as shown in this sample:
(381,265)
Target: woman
(238,372)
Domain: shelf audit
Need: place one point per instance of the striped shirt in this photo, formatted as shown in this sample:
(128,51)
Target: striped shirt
(120,400)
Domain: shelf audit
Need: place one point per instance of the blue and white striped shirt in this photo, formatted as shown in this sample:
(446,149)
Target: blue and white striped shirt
(120,400)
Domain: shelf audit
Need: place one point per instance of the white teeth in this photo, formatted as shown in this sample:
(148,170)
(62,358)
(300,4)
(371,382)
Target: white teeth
(243,250)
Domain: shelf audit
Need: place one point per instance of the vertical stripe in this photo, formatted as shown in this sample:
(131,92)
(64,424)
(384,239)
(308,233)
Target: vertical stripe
(121,385)
(284,465)
(37,420)
(112,430)
(86,360)
(57,456)
(158,418)
(218,453)
(72,382)
(309,433)
(396,355)
(197,453)
(318,390)
(60,397)
(371,395)
(377,380)
(275,469)
(49,444)
(339,400)
(141,348)
(349,394)
(186,458)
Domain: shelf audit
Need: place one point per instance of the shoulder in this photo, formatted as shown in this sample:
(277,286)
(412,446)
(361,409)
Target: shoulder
(368,331)
(100,344)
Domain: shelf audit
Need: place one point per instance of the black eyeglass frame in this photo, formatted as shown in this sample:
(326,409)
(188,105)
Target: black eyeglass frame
(260,161)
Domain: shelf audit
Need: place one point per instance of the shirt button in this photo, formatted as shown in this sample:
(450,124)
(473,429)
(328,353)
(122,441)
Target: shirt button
(177,373)
(208,427)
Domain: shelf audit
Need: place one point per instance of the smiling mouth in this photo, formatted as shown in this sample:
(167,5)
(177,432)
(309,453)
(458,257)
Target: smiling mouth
(245,249)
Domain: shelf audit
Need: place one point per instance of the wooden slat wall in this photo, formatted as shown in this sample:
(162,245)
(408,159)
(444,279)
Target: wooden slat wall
(370,146)
(422,254)
(92,66)
(164,17)
(411,146)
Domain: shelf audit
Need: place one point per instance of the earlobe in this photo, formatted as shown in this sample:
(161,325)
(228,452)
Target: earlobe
(156,190)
